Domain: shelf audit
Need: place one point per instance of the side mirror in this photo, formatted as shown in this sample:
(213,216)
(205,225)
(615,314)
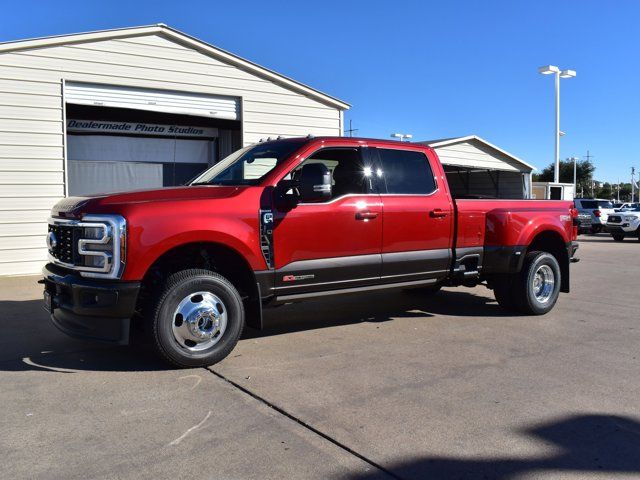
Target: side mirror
(315,183)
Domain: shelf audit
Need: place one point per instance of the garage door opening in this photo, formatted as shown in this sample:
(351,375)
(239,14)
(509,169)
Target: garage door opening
(121,138)
(115,149)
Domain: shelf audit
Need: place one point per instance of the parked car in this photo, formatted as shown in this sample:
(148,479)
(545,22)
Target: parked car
(597,209)
(584,222)
(624,224)
(626,206)
(285,221)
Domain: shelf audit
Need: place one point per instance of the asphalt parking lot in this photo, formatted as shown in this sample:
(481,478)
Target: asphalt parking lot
(373,386)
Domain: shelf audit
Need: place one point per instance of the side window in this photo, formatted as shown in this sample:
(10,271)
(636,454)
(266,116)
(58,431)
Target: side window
(349,175)
(406,172)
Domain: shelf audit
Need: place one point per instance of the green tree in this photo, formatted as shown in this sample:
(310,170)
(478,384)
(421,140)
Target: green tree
(584,174)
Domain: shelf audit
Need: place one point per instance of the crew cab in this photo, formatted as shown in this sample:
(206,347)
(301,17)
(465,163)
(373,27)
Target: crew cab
(624,223)
(285,221)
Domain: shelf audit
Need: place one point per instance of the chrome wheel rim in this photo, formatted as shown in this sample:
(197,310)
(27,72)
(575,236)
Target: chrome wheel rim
(199,321)
(544,281)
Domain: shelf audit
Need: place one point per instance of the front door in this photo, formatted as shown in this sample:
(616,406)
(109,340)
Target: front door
(418,217)
(334,243)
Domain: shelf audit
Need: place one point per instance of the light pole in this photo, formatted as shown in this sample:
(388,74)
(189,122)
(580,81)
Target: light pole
(401,136)
(547,70)
(575,170)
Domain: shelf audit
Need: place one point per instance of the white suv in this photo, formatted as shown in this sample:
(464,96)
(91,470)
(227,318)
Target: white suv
(625,223)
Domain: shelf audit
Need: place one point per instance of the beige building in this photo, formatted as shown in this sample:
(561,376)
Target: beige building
(477,168)
(130,108)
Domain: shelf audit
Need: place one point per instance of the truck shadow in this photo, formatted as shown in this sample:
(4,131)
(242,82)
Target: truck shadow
(375,307)
(582,444)
(28,341)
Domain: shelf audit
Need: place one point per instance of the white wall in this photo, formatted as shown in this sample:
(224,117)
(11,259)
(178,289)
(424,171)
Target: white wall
(31,119)
(474,154)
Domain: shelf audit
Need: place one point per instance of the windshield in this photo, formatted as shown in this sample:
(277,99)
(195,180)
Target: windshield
(248,165)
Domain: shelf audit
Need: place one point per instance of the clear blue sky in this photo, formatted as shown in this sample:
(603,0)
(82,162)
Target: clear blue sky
(433,69)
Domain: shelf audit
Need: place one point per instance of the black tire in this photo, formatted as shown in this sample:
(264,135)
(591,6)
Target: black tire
(503,291)
(595,229)
(178,288)
(524,293)
(618,237)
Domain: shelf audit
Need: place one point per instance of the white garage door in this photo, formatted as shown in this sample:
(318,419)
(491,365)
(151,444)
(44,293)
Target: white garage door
(213,106)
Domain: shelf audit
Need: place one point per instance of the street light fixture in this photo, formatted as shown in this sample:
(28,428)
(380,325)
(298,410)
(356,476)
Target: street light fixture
(401,136)
(548,70)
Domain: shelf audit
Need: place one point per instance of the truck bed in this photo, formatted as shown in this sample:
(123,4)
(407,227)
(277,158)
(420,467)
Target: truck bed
(508,222)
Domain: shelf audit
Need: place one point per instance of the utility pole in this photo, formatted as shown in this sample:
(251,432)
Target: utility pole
(351,129)
(633,184)
(588,158)
(618,190)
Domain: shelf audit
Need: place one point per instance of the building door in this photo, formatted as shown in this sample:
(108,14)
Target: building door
(555,193)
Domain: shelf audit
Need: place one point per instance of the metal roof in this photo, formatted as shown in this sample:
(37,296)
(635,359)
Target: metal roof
(184,39)
(443,142)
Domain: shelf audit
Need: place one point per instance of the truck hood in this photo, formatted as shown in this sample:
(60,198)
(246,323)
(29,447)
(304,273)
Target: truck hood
(75,207)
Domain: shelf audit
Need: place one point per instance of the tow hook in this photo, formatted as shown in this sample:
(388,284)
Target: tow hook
(574,260)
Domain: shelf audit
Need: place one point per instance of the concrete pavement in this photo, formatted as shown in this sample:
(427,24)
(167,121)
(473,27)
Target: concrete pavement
(370,386)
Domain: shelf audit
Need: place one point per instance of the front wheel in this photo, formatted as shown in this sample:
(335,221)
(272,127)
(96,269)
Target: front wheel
(537,287)
(618,237)
(198,319)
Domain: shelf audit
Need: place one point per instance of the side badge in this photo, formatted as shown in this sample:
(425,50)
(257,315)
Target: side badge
(295,278)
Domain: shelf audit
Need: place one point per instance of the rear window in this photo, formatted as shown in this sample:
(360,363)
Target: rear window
(406,172)
(596,204)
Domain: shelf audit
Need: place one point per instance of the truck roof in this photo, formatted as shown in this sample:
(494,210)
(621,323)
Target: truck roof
(355,140)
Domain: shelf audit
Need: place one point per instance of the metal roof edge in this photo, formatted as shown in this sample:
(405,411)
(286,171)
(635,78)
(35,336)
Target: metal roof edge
(451,141)
(181,37)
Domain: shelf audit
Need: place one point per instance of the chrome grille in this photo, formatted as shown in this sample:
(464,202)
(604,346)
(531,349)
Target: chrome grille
(95,245)
(64,245)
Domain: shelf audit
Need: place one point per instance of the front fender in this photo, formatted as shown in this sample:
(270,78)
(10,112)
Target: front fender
(150,236)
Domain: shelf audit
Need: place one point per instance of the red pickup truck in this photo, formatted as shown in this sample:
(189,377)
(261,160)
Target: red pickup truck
(284,221)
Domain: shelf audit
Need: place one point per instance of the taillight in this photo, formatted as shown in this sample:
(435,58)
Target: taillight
(575,223)
(574,216)
(597,213)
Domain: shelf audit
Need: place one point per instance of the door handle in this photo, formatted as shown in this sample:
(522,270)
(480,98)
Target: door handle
(437,213)
(366,215)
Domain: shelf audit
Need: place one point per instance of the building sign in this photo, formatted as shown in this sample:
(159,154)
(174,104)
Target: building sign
(128,128)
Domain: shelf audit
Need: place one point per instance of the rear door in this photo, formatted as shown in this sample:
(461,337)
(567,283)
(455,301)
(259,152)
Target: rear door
(418,216)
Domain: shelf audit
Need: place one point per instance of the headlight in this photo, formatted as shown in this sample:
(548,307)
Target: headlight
(94,246)
(630,219)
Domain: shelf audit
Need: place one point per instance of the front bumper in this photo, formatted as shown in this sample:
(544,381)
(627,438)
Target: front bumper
(620,228)
(90,308)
